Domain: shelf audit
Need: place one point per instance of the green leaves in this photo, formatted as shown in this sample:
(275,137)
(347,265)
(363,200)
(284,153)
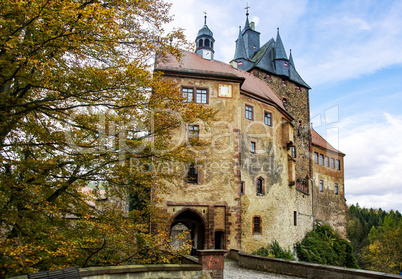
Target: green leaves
(80,105)
(324,246)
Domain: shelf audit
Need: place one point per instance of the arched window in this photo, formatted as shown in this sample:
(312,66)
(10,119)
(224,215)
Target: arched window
(192,174)
(212,44)
(200,43)
(260,186)
(206,42)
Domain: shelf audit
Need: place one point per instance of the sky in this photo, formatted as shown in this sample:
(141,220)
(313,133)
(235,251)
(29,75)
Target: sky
(350,53)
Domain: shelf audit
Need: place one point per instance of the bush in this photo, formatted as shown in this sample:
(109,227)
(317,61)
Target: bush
(274,250)
(324,246)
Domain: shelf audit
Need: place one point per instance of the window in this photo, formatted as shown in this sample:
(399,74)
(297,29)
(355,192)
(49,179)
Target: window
(268,119)
(336,189)
(192,174)
(188,94)
(327,161)
(256,225)
(285,102)
(242,187)
(252,147)
(207,42)
(193,131)
(321,159)
(293,151)
(295,218)
(200,43)
(260,187)
(338,165)
(202,96)
(316,157)
(332,163)
(249,112)
(321,186)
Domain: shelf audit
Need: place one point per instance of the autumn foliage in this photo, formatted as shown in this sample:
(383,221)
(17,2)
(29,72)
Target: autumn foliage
(376,236)
(76,110)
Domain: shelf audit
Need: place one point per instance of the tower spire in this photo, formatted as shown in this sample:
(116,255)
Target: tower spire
(280,52)
(247,25)
(205,41)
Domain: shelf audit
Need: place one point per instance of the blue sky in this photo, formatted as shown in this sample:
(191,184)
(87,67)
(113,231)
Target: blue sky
(350,53)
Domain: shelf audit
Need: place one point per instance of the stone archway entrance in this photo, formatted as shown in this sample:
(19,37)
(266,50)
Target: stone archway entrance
(191,222)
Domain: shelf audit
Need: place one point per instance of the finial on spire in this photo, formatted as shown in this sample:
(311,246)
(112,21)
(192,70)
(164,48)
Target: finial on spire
(205,17)
(247,7)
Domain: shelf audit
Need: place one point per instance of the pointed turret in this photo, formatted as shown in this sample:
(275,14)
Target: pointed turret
(205,42)
(240,52)
(280,52)
(247,24)
(291,59)
(281,61)
(294,75)
(251,38)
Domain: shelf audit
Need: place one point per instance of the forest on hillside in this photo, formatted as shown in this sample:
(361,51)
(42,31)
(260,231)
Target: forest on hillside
(376,238)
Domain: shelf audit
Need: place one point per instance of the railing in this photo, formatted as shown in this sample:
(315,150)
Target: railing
(302,185)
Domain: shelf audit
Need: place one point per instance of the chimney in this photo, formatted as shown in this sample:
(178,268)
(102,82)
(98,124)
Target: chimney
(252,25)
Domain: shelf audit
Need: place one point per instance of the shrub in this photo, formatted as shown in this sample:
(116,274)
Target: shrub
(274,250)
(324,246)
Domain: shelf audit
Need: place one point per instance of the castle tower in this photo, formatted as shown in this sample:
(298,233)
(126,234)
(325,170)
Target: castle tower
(281,61)
(251,38)
(247,45)
(205,42)
(271,64)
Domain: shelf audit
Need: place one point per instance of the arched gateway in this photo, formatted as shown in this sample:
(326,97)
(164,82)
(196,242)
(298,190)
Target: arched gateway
(189,220)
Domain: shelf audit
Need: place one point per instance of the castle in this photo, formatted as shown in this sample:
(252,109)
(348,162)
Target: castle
(269,175)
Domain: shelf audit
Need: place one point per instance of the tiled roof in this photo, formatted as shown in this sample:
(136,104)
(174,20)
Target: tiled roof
(193,63)
(318,140)
(271,57)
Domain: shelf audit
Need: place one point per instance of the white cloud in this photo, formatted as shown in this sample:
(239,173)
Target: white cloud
(373,161)
(350,42)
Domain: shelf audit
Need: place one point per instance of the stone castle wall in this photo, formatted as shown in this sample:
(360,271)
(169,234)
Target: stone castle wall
(329,206)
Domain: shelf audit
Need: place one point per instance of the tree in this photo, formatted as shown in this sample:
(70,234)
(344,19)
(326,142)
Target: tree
(384,251)
(77,110)
(324,246)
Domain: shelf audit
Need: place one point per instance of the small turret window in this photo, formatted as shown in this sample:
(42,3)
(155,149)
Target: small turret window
(200,43)
(212,44)
(206,42)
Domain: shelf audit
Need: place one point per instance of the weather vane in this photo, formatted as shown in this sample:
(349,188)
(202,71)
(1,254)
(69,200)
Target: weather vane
(205,17)
(247,7)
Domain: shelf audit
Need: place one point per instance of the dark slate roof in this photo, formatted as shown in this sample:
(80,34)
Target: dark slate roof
(246,25)
(263,58)
(205,31)
(271,57)
(291,59)
(280,52)
(294,75)
(240,51)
